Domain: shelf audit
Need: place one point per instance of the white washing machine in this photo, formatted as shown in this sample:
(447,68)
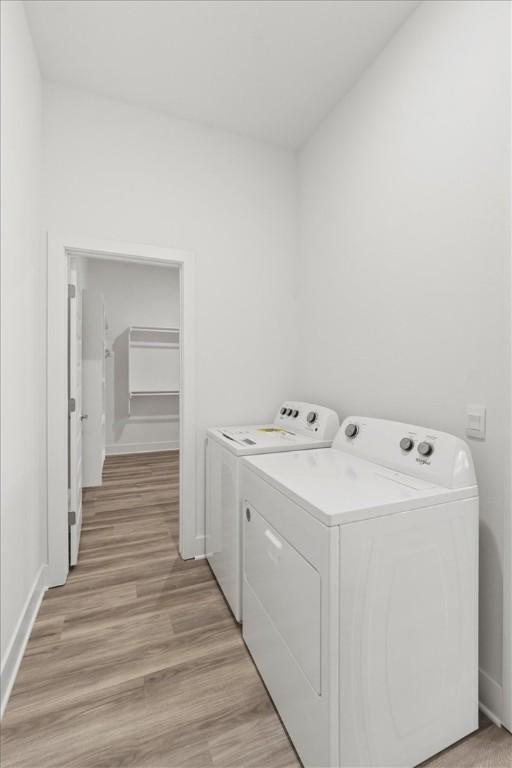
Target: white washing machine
(360,592)
(296,427)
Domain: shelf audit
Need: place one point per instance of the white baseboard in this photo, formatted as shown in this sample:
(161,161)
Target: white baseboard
(116,449)
(197,551)
(490,694)
(14,653)
(487,712)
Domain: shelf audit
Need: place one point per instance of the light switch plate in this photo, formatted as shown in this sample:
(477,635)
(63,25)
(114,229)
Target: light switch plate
(475,421)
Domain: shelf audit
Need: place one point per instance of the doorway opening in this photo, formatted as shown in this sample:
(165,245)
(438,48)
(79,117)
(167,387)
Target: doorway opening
(120,392)
(124,393)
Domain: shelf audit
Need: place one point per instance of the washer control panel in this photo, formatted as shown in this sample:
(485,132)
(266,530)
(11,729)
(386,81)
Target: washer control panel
(434,456)
(309,419)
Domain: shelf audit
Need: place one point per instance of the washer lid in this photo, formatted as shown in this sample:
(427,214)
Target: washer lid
(339,488)
(263,438)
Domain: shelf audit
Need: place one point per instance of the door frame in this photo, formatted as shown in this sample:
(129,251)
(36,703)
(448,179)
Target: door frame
(506,707)
(506,713)
(58,252)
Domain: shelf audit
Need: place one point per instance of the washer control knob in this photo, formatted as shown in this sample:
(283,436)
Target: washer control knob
(406,444)
(425,449)
(295,413)
(312,417)
(289,412)
(351,430)
(283,411)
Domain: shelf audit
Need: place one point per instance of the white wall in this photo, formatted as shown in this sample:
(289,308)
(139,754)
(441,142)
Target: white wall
(404,207)
(23,489)
(123,173)
(136,294)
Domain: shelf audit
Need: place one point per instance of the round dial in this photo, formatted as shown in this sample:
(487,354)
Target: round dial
(425,449)
(283,411)
(295,413)
(351,430)
(312,417)
(288,411)
(406,444)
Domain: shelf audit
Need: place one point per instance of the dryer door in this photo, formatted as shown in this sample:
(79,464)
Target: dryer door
(285,629)
(288,588)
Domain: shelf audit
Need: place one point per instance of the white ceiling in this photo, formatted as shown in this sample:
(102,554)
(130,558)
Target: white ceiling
(270,69)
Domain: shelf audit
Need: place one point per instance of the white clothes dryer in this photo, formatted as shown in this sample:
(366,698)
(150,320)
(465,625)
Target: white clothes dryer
(360,592)
(296,427)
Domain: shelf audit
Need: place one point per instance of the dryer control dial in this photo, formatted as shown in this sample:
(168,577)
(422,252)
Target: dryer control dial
(351,430)
(312,417)
(425,449)
(406,444)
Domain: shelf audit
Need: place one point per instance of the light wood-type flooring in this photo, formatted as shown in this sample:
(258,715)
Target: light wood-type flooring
(137,661)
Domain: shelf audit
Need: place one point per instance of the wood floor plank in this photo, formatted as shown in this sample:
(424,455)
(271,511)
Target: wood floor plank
(252,744)
(137,660)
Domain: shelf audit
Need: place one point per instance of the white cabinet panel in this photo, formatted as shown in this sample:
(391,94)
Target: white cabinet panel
(223,530)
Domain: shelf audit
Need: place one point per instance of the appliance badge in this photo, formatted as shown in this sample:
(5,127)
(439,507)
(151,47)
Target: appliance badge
(423,461)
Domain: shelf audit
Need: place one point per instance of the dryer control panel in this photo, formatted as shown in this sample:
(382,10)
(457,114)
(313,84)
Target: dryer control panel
(308,419)
(435,456)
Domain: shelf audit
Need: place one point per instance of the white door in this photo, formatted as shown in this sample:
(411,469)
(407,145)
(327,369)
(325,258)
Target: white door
(75,412)
(93,387)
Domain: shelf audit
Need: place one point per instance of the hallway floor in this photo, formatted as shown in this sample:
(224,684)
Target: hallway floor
(137,661)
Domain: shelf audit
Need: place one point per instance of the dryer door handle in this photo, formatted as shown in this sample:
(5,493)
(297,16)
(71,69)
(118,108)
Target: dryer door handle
(273,538)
